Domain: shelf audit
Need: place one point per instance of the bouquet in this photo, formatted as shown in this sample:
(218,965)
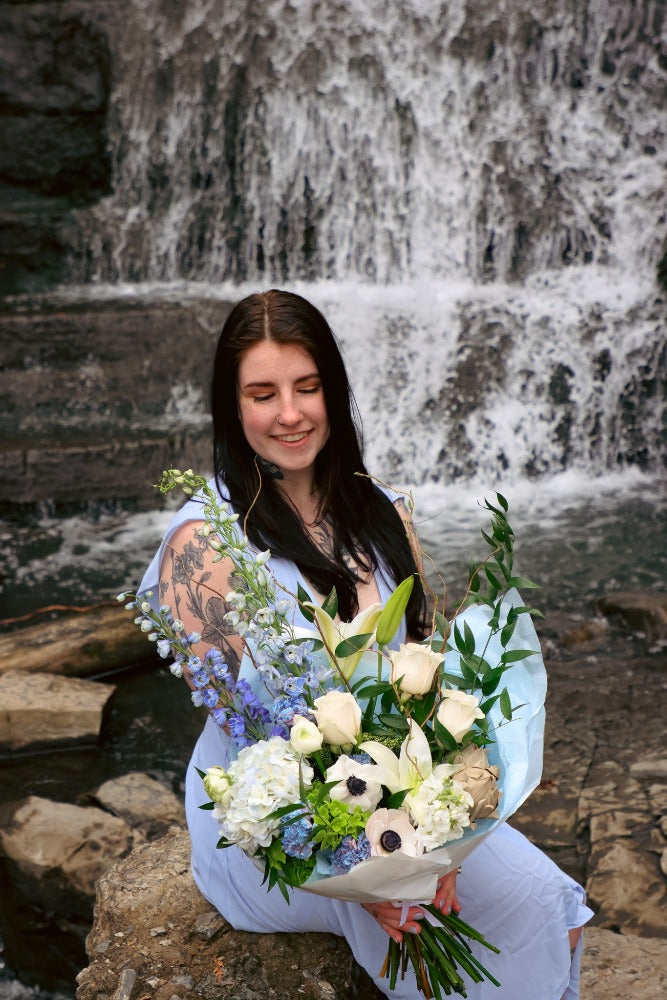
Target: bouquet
(365,772)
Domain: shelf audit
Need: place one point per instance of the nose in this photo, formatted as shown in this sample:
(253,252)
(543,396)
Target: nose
(290,414)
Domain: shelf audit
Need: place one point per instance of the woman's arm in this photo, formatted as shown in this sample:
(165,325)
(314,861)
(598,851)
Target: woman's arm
(194,586)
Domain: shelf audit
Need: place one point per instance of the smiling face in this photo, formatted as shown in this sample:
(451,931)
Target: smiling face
(281,406)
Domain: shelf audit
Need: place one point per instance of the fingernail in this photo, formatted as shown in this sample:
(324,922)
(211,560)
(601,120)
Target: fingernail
(441,903)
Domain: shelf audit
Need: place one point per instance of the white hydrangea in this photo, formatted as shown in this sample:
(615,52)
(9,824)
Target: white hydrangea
(263,778)
(440,808)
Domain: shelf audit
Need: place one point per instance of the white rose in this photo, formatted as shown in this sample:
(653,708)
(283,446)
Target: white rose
(338,717)
(414,667)
(457,713)
(217,785)
(304,735)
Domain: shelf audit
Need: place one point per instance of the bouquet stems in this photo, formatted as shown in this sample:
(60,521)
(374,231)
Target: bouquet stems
(437,954)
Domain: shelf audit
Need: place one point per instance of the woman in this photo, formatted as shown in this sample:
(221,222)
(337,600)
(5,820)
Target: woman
(287,456)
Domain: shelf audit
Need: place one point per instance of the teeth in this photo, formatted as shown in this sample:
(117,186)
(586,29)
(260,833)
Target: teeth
(292,437)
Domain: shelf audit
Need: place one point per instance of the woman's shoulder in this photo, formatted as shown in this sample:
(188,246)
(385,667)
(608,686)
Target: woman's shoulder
(191,513)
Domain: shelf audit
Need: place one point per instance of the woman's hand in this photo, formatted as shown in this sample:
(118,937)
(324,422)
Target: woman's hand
(389,916)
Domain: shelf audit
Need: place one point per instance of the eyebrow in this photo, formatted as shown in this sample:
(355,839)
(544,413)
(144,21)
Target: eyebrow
(266,385)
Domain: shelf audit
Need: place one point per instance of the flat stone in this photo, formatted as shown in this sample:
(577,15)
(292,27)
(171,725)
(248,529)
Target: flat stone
(39,709)
(144,803)
(626,888)
(589,635)
(655,767)
(616,967)
(75,844)
(640,611)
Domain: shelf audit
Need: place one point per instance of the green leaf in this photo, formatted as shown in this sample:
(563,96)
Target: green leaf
(393,611)
(207,805)
(443,735)
(330,605)
(515,611)
(507,632)
(514,655)
(491,681)
(469,638)
(503,502)
(504,570)
(421,708)
(304,598)
(454,680)
(505,704)
(487,705)
(520,582)
(202,774)
(395,800)
(469,672)
(493,580)
(398,722)
(372,690)
(442,624)
(347,647)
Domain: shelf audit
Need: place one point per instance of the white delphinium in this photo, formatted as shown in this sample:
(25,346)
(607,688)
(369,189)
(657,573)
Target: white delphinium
(263,778)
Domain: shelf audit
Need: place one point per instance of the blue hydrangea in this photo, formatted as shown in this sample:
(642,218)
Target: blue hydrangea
(281,731)
(200,678)
(350,852)
(286,707)
(295,840)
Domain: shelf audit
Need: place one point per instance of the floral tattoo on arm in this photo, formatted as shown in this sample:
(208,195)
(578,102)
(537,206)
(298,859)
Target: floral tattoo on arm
(191,592)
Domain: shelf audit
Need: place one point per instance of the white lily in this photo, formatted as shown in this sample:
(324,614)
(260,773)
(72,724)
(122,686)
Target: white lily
(410,768)
(333,632)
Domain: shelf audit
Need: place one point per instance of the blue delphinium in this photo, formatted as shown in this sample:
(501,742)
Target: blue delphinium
(251,704)
(237,730)
(350,852)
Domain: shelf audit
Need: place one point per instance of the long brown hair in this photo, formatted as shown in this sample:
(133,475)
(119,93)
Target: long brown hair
(364,523)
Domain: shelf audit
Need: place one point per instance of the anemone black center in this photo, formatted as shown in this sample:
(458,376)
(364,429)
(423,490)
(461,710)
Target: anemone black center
(390,841)
(355,786)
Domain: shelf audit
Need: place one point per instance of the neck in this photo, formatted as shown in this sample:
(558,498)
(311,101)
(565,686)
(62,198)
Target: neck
(299,490)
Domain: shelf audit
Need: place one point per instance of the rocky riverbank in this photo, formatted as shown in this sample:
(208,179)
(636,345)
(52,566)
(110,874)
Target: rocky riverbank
(600,812)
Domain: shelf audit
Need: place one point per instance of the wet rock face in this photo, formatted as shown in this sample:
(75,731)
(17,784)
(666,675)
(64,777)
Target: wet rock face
(97,399)
(316,141)
(55,83)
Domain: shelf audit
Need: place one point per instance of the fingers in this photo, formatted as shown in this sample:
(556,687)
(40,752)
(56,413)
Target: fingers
(389,918)
(445,898)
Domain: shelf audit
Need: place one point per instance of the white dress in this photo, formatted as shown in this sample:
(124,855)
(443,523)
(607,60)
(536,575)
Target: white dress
(508,889)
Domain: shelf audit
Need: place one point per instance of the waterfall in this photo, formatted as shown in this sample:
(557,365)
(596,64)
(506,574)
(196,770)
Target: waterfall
(473,192)
(283,141)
